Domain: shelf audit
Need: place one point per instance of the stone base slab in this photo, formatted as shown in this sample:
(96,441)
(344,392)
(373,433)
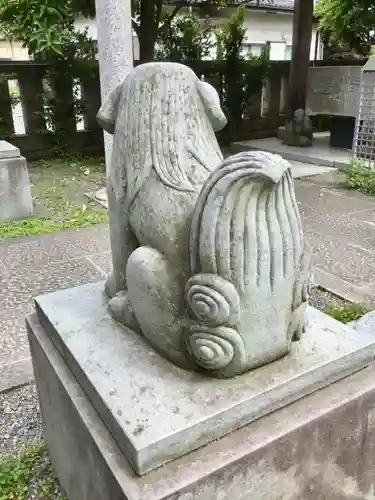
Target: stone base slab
(158,412)
(321,446)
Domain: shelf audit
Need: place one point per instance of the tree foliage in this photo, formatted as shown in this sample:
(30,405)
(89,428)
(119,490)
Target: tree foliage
(242,80)
(45,27)
(347,23)
(186,38)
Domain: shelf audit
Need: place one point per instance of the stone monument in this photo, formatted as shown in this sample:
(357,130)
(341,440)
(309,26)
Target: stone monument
(202,369)
(16,201)
(334,91)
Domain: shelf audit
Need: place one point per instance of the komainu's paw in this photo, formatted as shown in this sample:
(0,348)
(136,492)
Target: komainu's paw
(120,309)
(110,286)
(297,326)
(299,332)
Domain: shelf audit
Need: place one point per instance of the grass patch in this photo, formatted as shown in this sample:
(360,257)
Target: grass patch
(361,177)
(346,313)
(40,225)
(58,188)
(29,475)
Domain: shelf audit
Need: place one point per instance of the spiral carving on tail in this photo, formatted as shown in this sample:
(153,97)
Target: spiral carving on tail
(246,244)
(215,348)
(214,306)
(212,300)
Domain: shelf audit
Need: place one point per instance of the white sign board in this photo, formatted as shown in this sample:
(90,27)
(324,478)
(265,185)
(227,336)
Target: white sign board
(334,90)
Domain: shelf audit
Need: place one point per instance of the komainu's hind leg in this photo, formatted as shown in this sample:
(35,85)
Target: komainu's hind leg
(156,297)
(302,290)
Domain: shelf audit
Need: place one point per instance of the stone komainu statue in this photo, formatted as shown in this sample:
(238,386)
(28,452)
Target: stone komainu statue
(208,260)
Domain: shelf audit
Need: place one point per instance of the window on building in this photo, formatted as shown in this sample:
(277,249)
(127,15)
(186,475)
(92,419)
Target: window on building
(255,50)
(288,52)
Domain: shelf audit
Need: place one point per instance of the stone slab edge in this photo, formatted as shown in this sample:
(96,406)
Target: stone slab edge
(157,454)
(295,155)
(343,289)
(7,150)
(199,467)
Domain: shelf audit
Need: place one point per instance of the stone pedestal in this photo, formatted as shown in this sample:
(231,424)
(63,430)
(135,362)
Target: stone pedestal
(15,196)
(114,412)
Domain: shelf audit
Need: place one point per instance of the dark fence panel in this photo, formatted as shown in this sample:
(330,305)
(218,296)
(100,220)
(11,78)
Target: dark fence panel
(23,117)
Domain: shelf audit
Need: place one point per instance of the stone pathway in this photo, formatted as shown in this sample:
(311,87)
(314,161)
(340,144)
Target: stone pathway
(37,265)
(340,226)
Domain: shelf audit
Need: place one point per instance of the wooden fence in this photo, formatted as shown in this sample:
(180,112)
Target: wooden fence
(264,112)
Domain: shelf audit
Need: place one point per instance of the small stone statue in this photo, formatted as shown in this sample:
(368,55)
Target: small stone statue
(297,132)
(208,260)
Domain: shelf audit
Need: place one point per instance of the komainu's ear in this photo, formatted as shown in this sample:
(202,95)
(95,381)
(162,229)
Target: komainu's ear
(108,112)
(211,102)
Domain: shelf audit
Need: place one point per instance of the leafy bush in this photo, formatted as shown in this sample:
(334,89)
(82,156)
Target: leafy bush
(31,470)
(361,177)
(185,38)
(47,30)
(347,313)
(242,78)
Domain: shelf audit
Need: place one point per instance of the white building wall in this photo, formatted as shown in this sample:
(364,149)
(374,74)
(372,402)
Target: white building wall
(276,28)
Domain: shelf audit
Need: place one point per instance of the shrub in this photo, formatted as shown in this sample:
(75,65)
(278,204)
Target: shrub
(361,177)
(347,313)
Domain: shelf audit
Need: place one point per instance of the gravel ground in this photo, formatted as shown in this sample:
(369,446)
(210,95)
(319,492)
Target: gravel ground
(322,299)
(21,427)
(20,421)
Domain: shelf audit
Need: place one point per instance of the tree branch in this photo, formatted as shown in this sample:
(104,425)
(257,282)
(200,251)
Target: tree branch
(159,11)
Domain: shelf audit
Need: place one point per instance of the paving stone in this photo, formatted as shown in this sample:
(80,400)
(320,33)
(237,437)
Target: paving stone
(366,217)
(366,323)
(102,261)
(58,247)
(16,374)
(14,344)
(340,258)
(346,230)
(21,285)
(316,198)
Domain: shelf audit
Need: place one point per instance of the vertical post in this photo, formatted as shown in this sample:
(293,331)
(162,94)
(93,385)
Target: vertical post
(115,46)
(299,65)
(6,117)
(30,81)
(91,95)
(298,127)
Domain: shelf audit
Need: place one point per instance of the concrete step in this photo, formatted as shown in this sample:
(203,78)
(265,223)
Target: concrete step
(320,154)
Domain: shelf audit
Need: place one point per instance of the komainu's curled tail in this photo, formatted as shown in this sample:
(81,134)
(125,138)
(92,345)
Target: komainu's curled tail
(246,249)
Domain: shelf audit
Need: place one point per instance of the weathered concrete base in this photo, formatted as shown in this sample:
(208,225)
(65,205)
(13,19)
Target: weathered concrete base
(322,446)
(15,195)
(158,412)
(320,153)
